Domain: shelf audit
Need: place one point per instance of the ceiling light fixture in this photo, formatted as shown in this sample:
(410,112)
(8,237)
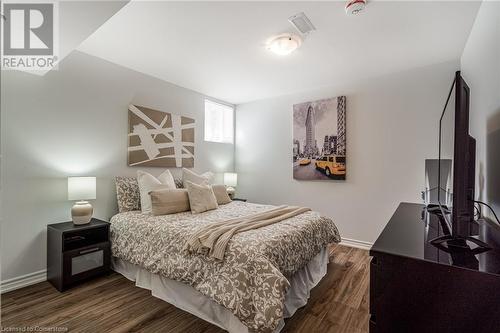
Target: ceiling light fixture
(284,44)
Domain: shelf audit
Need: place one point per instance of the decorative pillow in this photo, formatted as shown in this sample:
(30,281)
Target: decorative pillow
(127,194)
(201,197)
(169,201)
(166,178)
(147,183)
(221,195)
(193,177)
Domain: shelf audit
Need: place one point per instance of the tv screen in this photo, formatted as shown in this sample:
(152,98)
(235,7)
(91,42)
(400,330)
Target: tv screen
(456,195)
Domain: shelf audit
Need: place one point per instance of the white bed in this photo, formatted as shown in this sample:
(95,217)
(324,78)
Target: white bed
(188,299)
(265,275)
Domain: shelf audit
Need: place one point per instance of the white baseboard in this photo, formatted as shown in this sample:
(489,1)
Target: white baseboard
(356,243)
(23,281)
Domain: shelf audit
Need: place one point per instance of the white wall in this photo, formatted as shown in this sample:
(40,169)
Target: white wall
(480,64)
(74,122)
(392,125)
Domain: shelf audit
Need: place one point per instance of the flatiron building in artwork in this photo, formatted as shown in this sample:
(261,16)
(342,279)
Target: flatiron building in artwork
(310,147)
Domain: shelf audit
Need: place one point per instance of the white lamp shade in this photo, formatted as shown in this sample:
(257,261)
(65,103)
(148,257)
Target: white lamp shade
(230,179)
(81,188)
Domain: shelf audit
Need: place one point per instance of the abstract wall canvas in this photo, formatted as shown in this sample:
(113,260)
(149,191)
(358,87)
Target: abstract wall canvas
(159,139)
(319,139)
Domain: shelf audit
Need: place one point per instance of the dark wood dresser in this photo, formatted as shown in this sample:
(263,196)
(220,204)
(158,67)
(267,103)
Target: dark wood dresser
(416,287)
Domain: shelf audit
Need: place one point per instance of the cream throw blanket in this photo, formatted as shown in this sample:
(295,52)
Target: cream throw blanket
(215,236)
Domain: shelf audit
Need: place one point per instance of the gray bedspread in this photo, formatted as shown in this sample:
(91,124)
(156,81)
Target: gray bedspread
(251,280)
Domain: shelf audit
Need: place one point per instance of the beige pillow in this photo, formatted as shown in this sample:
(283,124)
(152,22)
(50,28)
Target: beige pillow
(169,201)
(193,177)
(147,183)
(201,197)
(221,195)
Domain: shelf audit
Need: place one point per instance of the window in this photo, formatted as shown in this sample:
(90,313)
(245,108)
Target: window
(218,122)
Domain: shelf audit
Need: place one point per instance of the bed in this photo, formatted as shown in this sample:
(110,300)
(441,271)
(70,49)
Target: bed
(265,275)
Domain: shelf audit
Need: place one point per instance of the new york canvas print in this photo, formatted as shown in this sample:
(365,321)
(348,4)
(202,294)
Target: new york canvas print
(319,139)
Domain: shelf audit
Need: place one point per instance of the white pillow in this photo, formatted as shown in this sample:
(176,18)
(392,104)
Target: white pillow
(147,183)
(166,178)
(193,177)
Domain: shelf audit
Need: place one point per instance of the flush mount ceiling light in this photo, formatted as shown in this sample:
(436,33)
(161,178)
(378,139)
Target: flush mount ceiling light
(284,44)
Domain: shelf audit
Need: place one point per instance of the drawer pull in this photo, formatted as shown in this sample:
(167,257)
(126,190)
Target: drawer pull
(89,250)
(74,238)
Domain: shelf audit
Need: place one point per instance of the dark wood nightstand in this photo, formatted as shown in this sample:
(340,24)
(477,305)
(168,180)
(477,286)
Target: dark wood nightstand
(77,252)
(239,199)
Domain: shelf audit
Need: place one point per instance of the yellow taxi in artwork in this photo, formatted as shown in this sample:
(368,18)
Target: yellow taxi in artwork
(304,161)
(331,165)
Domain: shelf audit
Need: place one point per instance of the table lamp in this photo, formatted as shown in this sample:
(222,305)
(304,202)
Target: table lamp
(81,189)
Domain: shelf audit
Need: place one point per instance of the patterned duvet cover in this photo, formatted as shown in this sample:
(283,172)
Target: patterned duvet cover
(251,281)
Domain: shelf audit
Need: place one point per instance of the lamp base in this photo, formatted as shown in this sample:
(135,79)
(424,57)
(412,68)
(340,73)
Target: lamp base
(81,212)
(230,191)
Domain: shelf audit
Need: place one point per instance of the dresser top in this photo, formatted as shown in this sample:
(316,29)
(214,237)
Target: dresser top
(410,230)
(70,226)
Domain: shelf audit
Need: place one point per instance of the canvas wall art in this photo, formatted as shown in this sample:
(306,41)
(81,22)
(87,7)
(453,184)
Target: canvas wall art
(319,139)
(159,139)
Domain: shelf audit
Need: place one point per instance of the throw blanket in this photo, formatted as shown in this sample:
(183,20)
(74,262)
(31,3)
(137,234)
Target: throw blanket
(252,279)
(214,237)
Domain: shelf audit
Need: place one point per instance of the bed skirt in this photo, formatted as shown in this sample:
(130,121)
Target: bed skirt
(190,300)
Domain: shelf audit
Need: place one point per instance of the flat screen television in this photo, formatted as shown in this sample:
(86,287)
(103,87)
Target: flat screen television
(457,209)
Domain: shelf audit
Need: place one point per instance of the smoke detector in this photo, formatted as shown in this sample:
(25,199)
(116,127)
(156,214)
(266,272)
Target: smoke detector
(302,23)
(354,7)
(284,44)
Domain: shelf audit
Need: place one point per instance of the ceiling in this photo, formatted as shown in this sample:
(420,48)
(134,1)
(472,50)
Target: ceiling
(218,48)
(73,29)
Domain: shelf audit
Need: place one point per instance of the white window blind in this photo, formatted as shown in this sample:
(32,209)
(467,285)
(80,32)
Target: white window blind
(218,122)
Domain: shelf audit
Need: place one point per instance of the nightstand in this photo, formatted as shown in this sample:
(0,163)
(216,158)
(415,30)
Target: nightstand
(76,253)
(239,199)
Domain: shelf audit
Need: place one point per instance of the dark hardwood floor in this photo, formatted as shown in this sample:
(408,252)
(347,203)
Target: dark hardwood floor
(113,304)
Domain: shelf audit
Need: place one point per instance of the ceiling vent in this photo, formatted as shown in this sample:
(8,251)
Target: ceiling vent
(302,23)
